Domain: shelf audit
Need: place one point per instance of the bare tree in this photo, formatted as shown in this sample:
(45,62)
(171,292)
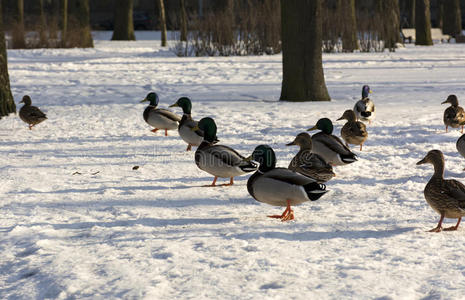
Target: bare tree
(124,26)
(389,12)
(79,23)
(161,7)
(303,78)
(349,28)
(452,19)
(64,21)
(42,25)
(183,22)
(423,23)
(18,39)
(7,104)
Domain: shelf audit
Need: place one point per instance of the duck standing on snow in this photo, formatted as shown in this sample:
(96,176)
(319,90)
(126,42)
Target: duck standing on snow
(365,108)
(307,163)
(157,117)
(460,145)
(445,196)
(32,115)
(454,116)
(191,137)
(353,132)
(280,186)
(219,160)
(330,147)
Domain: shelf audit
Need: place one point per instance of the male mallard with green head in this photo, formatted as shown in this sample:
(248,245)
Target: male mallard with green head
(280,186)
(307,163)
(454,115)
(445,196)
(191,137)
(329,146)
(219,160)
(157,117)
(30,114)
(365,108)
(353,132)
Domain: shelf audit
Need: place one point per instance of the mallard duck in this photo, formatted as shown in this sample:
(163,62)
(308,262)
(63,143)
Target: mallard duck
(329,146)
(280,186)
(191,137)
(157,117)
(445,196)
(353,132)
(219,160)
(454,116)
(461,145)
(32,115)
(307,163)
(365,108)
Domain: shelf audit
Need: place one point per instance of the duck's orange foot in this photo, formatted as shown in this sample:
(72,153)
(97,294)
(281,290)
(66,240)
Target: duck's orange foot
(287,215)
(189,147)
(166,132)
(437,229)
(154,130)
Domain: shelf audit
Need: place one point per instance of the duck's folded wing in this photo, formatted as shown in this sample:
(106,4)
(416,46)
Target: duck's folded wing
(454,189)
(288,176)
(35,112)
(169,114)
(333,143)
(228,155)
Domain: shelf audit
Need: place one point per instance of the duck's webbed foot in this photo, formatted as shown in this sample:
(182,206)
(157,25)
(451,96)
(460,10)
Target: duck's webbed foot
(287,215)
(154,130)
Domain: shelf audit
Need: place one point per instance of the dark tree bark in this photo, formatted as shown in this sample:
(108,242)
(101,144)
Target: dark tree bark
(423,23)
(303,78)
(161,7)
(124,26)
(79,24)
(7,104)
(452,20)
(64,22)
(349,29)
(389,13)
(409,21)
(18,39)
(42,25)
(183,21)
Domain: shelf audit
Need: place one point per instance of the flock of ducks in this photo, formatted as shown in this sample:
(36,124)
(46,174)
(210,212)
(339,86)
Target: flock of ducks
(311,167)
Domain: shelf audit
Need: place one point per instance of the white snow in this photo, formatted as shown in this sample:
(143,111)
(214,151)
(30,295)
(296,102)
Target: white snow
(155,233)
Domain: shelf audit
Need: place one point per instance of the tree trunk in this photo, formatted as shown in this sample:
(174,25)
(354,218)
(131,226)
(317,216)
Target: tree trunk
(7,104)
(124,26)
(18,39)
(349,31)
(409,21)
(161,7)
(422,23)
(183,22)
(79,24)
(452,20)
(303,78)
(43,25)
(64,22)
(389,13)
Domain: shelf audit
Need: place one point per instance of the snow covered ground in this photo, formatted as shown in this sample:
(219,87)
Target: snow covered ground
(155,233)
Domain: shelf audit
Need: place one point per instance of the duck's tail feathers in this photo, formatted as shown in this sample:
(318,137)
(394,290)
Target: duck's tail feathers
(366,114)
(315,190)
(348,158)
(249,166)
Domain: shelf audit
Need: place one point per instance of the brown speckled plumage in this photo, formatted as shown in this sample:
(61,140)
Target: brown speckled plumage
(454,115)
(353,132)
(30,114)
(445,196)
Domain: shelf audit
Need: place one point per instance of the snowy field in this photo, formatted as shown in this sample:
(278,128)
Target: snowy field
(110,232)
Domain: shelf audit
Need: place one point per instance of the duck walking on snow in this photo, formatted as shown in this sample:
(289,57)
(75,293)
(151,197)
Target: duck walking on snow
(461,145)
(30,114)
(454,116)
(157,117)
(445,196)
(329,146)
(365,108)
(219,160)
(307,163)
(280,186)
(353,132)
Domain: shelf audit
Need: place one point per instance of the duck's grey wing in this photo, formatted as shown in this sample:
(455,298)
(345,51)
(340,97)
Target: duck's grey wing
(169,114)
(288,176)
(228,155)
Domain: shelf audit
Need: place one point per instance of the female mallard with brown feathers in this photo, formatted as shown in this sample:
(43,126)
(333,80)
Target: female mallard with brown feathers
(30,114)
(157,117)
(280,186)
(454,115)
(307,163)
(445,196)
(353,132)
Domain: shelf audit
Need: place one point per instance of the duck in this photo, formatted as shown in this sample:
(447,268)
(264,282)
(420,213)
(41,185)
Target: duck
(365,108)
(307,163)
(445,196)
(454,115)
(157,117)
(329,146)
(353,132)
(280,186)
(30,114)
(460,145)
(219,160)
(191,137)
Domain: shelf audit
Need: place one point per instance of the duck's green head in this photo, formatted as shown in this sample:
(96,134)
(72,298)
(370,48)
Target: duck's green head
(365,91)
(208,126)
(185,103)
(152,98)
(324,125)
(26,100)
(265,156)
